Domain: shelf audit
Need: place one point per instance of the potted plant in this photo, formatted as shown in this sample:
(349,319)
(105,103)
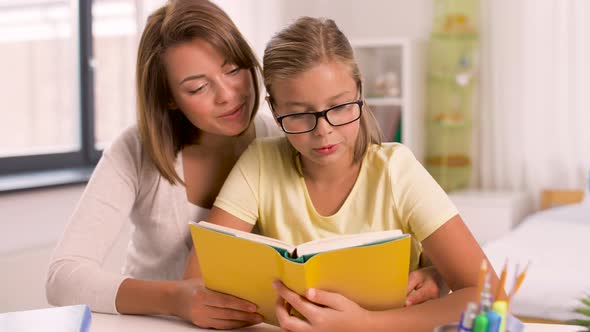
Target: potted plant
(583,310)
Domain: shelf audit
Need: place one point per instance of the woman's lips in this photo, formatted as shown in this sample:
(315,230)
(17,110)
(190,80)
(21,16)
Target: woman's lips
(236,112)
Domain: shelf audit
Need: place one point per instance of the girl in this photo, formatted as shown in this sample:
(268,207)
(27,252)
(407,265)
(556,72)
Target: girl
(331,175)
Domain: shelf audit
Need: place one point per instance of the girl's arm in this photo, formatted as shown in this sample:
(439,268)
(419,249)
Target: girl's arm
(457,256)
(453,251)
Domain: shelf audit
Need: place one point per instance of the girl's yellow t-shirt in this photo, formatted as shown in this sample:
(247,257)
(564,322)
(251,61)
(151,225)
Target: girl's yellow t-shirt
(392,191)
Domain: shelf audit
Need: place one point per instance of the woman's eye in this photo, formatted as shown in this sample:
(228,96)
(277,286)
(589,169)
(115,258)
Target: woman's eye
(197,90)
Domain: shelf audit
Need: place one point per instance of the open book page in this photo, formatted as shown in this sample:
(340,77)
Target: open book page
(346,241)
(278,244)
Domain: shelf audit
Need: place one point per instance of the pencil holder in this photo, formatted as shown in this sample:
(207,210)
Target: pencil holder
(512,325)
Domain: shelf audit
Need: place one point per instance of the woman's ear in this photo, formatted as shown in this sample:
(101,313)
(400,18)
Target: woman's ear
(172,105)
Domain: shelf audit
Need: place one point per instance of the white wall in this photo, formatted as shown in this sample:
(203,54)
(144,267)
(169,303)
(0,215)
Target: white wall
(31,222)
(256,19)
(35,218)
(368,18)
(259,20)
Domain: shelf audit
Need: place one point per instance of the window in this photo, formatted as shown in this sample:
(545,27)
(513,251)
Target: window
(67,85)
(115,35)
(39,78)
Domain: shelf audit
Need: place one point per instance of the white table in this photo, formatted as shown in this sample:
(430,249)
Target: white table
(128,323)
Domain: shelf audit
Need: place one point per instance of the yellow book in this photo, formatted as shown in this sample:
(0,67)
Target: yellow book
(371,269)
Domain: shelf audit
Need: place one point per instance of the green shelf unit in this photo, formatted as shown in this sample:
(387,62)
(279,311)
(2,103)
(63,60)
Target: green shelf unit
(451,88)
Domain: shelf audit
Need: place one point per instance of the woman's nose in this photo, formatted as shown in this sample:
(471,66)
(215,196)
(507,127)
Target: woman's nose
(224,91)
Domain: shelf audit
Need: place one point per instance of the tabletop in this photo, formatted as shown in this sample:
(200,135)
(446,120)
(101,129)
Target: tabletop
(129,323)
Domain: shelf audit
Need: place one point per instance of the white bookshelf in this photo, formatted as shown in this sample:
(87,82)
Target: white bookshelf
(393,72)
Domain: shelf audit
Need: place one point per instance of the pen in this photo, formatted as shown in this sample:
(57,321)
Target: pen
(481,323)
(482,275)
(467,317)
(485,300)
(494,321)
(481,320)
(501,307)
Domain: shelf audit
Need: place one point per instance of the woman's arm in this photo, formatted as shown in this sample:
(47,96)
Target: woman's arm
(76,273)
(204,303)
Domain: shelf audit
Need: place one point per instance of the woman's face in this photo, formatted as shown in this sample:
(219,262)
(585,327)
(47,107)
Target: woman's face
(317,89)
(215,95)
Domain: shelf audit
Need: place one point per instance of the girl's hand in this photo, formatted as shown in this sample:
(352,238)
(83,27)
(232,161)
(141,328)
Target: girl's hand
(423,284)
(321,311)
(209,309)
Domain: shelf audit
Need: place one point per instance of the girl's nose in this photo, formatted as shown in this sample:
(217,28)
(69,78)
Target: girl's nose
(323,127)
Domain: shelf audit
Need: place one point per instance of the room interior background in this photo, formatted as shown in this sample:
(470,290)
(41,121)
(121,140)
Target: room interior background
(534,107)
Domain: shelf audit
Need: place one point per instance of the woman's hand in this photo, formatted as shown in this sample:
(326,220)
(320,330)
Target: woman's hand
(423,284)
(321,311)
(210,309)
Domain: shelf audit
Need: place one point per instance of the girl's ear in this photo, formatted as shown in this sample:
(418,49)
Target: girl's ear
(272,110)
(362,84)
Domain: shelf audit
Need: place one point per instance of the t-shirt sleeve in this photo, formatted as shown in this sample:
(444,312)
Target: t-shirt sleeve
(239,195)
(422,205)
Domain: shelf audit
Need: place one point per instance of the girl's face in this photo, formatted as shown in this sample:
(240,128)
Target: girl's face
(317,89)
(215,95)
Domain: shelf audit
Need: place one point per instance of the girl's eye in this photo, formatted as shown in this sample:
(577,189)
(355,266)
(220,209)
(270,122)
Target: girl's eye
(234,71)
(298,115)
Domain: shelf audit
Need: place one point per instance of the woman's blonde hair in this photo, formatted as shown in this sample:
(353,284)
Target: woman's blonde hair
(165,132)
(305,44)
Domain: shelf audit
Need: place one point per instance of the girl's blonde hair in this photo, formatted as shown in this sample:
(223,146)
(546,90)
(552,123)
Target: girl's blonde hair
(164,132)
(305,44)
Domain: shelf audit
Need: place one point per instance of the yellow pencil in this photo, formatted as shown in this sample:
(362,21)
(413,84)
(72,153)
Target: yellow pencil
(518,282)
(500,290)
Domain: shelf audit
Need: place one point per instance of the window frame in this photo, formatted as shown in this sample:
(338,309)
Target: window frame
(87,156)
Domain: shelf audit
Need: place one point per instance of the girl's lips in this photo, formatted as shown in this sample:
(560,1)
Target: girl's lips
(327,149)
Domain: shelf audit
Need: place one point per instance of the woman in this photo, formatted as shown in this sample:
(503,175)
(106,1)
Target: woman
(197,96)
